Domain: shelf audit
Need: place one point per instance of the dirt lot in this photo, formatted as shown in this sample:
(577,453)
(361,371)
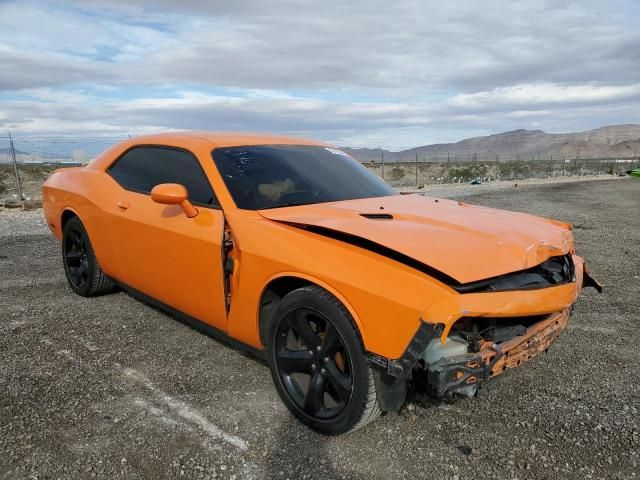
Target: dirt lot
(110,387)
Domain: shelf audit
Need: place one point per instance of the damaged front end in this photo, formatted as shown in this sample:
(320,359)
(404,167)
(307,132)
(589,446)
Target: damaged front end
(480,334)
(480,349)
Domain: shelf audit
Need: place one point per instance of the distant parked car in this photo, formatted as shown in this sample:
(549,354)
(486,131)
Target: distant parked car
(296,251)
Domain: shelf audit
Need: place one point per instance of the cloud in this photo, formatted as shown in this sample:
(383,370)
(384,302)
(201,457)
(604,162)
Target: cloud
(390,125)
(195,110)
(399,48)
(545,94)
(26,69)
(398,73)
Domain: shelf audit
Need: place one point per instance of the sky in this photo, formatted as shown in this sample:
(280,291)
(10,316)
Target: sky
(391,74)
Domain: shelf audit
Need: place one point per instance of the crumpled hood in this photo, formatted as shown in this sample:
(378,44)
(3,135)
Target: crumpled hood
(466,242)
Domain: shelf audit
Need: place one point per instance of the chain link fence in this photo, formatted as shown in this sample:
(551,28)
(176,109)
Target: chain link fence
(26,161)
(426,172)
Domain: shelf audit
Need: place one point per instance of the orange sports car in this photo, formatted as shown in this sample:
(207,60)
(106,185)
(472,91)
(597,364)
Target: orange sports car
(291,248)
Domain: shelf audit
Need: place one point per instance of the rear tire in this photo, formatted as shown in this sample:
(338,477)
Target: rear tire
(81,266)
(318,363)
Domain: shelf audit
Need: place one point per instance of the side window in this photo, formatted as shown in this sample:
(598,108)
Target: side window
(142,168)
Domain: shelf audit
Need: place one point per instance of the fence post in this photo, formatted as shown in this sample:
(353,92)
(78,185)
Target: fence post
(15,167)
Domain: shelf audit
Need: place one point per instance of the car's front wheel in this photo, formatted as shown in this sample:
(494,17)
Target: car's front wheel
(81,266)
(319,364)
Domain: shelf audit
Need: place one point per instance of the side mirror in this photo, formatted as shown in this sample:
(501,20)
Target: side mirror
(174,194)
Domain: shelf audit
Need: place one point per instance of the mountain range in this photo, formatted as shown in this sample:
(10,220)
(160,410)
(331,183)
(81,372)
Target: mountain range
(604,142)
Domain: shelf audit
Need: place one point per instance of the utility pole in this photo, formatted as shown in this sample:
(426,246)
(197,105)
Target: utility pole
(15,167)
(382,152)
(416,169)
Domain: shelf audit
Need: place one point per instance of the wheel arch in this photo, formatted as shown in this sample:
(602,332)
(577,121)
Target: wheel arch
(67,214)
(283,283)
(101,245)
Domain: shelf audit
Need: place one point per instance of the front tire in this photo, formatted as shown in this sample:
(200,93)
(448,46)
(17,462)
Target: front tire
(80,263)
(318,363)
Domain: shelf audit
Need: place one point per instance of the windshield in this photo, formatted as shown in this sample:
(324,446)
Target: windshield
(271,176)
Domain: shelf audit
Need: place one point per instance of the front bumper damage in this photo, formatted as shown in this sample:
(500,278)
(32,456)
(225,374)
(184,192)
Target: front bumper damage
(468,373)
(465,374)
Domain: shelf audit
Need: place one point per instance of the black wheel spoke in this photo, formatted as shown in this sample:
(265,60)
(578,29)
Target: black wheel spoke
(313,363)
(75,274)
(300,325)
(291,361)
(331,340)
(341,382)
(84,269)
(313,400)
(76,240)
(73,258)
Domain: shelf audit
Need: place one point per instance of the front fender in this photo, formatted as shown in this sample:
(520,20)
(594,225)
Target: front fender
(384,297)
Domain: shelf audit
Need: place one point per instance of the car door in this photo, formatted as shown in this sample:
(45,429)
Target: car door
(161,252)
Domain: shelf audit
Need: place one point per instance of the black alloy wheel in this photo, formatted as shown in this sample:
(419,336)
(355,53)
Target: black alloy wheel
(75,259)
(81,266)
(318,362)
(313,363)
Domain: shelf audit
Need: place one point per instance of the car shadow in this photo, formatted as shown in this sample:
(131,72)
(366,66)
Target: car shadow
(298,452)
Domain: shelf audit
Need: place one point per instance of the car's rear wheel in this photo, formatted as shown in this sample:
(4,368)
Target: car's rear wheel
(81,266)
(319,364)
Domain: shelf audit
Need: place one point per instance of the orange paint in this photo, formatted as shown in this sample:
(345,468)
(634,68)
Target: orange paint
(150,243)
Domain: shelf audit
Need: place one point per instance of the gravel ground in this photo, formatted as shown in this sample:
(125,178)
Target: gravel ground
(111,388)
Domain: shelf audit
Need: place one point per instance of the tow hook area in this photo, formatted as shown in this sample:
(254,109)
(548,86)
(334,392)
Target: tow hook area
(461,375)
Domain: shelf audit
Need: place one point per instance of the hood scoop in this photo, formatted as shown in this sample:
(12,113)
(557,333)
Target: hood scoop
(377,216)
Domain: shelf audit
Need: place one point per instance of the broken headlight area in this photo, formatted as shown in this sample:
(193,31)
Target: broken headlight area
(553,271)
(479,349)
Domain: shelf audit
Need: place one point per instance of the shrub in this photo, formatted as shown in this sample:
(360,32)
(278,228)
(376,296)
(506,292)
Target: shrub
(396,173)
(4,181)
